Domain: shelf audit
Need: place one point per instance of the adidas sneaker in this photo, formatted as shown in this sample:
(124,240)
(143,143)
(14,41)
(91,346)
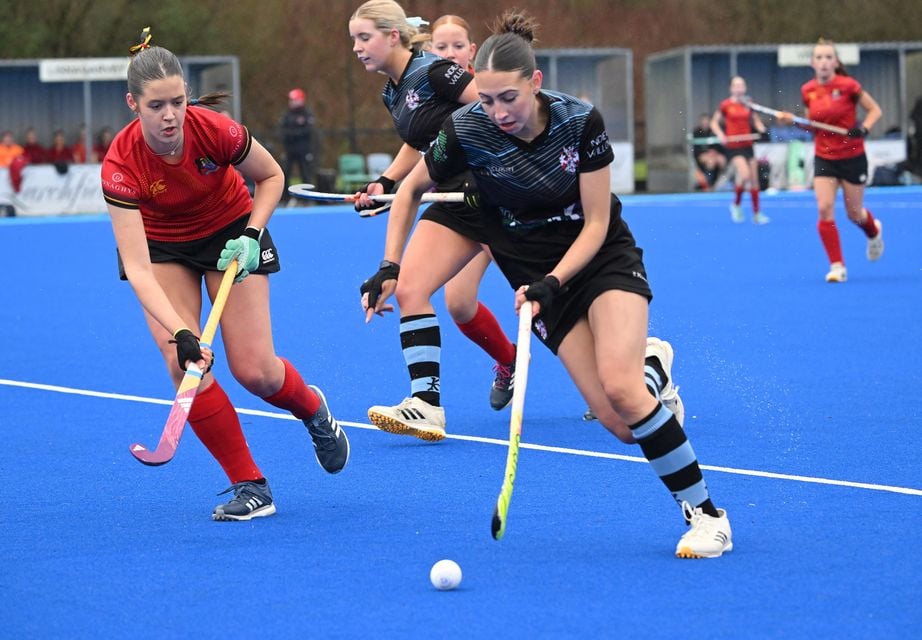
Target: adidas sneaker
(412,417)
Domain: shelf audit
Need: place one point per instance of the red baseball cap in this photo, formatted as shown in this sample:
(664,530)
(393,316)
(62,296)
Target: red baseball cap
(297,94)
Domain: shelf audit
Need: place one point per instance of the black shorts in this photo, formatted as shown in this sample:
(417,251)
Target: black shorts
(743,152)
(623,271)
(617,265)
(852,170)
(457,216)
(202,255)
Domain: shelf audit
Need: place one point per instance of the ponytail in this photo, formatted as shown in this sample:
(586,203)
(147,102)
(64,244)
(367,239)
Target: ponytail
(149,63)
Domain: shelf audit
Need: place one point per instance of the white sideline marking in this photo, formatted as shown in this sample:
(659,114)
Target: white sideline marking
(524,445)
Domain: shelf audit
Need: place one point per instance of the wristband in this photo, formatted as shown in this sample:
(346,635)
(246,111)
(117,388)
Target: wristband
(253,232)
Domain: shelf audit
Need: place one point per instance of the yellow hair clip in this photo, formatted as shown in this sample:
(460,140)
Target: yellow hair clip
(145,41)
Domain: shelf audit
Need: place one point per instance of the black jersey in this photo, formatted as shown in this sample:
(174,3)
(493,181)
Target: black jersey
(428,90)
(529,191)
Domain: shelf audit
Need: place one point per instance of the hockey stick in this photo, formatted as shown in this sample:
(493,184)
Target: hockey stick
(775,113)
(306,192)
(743,137)
(188,388)
(522,355)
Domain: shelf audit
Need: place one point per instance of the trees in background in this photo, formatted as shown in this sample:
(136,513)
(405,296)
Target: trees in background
(305,43)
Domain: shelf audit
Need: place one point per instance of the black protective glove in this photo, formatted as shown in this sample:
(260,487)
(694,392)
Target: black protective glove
(543,292)
(385,182)
(188,349)
(857,132)
(471,195)
(386,271)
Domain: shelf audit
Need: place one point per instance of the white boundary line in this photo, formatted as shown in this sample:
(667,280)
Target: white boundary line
(504,442)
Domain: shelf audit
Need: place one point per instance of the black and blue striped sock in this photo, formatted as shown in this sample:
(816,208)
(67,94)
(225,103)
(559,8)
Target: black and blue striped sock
(672,458)
(421,341)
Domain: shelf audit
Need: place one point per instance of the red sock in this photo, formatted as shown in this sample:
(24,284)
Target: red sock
(755,200)
(738,191)
(217,425)
(829,234)
(294,396)
(869,228)
(485,332)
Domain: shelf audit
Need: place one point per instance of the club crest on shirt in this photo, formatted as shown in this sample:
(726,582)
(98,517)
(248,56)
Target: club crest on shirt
(836,94)
(412,99)
(157,187)
(541,329)
(206,165)
(569,159)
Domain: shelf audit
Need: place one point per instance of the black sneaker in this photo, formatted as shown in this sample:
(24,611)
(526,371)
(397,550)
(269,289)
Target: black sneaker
(331,446)
(503,385)
(251,500)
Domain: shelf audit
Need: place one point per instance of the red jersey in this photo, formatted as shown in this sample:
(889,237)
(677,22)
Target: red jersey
(834,103)
(190,200)
(737,121)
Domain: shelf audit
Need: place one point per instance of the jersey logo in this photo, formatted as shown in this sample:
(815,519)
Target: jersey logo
(206,165)
(454,74)
(569,159)
(268,256)
(156,188)
(412,99)
(438,147)
(598,145)
(836,94)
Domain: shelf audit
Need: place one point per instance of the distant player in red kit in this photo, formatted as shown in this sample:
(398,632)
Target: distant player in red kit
(734,120)
(833,97)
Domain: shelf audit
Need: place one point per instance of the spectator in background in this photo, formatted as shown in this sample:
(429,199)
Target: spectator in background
(32,149)
(78,149)
(60,154)
(103,140)
(9,150)
(709,157)
(297,133)
(914,141)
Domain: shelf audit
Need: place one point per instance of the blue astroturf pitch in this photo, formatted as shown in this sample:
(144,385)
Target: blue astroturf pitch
(801,402)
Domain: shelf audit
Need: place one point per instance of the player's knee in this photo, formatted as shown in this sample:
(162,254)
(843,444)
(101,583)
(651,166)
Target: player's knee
(855,213)
(826,210)
(617,391)
(260,381)
(461,308)
(410,295)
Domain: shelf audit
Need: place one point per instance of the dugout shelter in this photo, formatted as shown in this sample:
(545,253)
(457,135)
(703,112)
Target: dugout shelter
(65,93)
(681,84)
(603,77)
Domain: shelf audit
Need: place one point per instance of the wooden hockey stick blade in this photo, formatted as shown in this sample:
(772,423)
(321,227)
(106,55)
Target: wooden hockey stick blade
(188,388)
(175,423)
(522,356)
